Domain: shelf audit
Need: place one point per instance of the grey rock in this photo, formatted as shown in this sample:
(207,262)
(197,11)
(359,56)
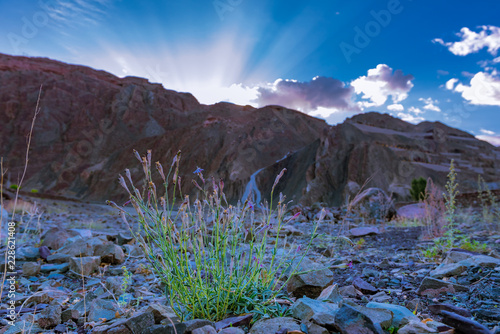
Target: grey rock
(348,291)
(363,231)
(437,308)
(110,253)
(463,324)
(27,254)
(456,255)
(161,312)
(31,268)
(133,250)
(205,330)
(114,284)
(76,246)
(447,270)
(55,238)
(273,325)
(60,329)
(58,258)
(197,323)
(139,321)
(481,261)
(84,265)
(44,252)
(180,328)
(69,314)
(350,320)
(331,294)
(416,327)
(232,330)
(401,315)
(433,287)
(305,308)
(313,328)
(365,287)
(101,309)
(47,268)
(309,284)
(380,297)
(50,317)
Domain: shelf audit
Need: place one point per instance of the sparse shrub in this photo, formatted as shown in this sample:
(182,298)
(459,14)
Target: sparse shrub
(34,191)
(417,190)
(450,202)
(433,220)
(14,186)
(214,258)
(126,282)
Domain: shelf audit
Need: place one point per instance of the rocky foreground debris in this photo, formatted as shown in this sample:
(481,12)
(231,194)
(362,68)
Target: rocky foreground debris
(97,280)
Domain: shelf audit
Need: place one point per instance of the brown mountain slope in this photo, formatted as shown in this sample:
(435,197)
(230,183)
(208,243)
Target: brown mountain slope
(90,121)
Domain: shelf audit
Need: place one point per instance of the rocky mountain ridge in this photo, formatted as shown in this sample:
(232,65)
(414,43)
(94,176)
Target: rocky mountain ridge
(90,121)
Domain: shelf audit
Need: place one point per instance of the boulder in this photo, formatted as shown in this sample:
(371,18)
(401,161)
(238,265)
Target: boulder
(311,283)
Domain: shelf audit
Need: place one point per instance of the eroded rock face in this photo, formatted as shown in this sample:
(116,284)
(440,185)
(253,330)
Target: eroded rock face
(90,121)
(390,153)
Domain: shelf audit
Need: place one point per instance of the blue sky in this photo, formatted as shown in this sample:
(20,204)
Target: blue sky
(417,60)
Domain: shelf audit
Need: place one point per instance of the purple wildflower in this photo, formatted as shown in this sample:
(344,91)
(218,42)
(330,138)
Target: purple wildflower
(198,170)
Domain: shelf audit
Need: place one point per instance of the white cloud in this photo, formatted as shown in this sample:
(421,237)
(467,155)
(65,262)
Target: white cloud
(380,83)
(450,84)
(410,118)
(430,104)
(487,132)
(471,42)
(327,93)
(484,89)
(492,139)
(395,107)
(415,110)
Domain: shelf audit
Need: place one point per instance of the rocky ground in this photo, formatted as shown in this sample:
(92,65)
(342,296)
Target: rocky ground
(73,262)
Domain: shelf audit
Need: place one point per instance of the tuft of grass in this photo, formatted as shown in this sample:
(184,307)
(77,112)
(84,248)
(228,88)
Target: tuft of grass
(450,202)
(215,259)
(14,186)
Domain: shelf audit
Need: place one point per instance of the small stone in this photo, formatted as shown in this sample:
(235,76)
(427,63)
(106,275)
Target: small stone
(348,291)
(205,330)
(69,314)
(242,320)
(349,320)
(380,297)
(305,308)
(44,252)
(447,270)
(363,231)
(50,317)
(114,284)
(331,294)
(309,284)
(401,315)
(437,308)
(47,268)
(463,324)
(60,329)
(55,238)
(31,268)
(416,327)
(433,287)
(232,330)
(193,324)
(365,287)
(84,265)
(274,325)
(58,258)
(110,253)
(161,312)
(101,309)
